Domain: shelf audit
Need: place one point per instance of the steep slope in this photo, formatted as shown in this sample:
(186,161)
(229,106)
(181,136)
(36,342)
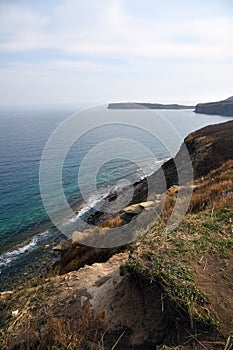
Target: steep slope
(208,147)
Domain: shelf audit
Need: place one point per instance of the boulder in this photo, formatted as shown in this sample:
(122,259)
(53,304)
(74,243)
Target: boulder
(134,209)
(147,204)
(62,246)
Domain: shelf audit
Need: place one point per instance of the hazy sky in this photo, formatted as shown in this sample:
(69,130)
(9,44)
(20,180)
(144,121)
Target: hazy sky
(60,51)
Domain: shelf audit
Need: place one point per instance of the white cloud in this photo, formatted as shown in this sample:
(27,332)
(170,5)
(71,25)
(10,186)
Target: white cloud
(106,53)
(103,29)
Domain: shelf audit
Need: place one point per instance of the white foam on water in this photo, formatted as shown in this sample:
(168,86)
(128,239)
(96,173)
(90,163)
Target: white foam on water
(147,168)
(8,257)
(92,202)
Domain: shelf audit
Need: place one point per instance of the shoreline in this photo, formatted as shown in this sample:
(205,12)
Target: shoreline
(28,263)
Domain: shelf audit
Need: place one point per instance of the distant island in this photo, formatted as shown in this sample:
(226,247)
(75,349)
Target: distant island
(143,105)
(224,107)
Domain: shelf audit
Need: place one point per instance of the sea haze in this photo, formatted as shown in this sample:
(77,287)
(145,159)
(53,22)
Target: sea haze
(25,228)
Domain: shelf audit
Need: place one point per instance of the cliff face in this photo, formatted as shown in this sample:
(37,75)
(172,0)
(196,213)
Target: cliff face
(208,147)
(224,107)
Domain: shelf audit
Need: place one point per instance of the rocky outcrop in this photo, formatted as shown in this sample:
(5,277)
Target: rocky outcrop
(78,255)
(136,209)
(62,246)
(224,107)
(208,148)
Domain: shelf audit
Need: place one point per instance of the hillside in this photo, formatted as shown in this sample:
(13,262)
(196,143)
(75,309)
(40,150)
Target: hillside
(224,107)
(208,148)
(168,290)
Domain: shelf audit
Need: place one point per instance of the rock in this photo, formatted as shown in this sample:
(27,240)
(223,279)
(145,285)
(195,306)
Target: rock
(147,204)
(62,246)
(15,313)
(112,196)
(134,209)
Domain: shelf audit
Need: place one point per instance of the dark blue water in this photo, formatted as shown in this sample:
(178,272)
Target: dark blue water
(24,225)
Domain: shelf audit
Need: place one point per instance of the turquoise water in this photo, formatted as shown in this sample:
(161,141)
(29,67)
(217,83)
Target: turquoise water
(24,224)
(22,139)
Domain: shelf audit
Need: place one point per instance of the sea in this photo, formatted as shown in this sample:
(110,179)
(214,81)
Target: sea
(111,146)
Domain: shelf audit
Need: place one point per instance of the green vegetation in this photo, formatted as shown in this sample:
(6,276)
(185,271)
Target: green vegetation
(170,260)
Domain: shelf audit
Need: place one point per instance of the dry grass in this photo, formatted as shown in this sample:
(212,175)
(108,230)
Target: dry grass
(39,326)
(215,191)
(56,333)
(112,223)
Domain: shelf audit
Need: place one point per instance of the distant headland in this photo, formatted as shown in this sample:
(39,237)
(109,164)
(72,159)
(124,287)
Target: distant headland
(224,107)
(143,105)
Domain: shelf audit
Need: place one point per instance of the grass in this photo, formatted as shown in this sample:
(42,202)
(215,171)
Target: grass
(167,259)
(112,223)
(57,333)
(37,326)
(216,190)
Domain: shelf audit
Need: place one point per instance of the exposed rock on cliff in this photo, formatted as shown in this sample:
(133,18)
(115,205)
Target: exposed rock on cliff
(208,147)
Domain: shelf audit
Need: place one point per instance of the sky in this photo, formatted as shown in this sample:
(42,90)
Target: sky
(100,51)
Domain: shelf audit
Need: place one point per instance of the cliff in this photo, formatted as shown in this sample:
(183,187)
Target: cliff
(224,107)
(208,148)
(167,290)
